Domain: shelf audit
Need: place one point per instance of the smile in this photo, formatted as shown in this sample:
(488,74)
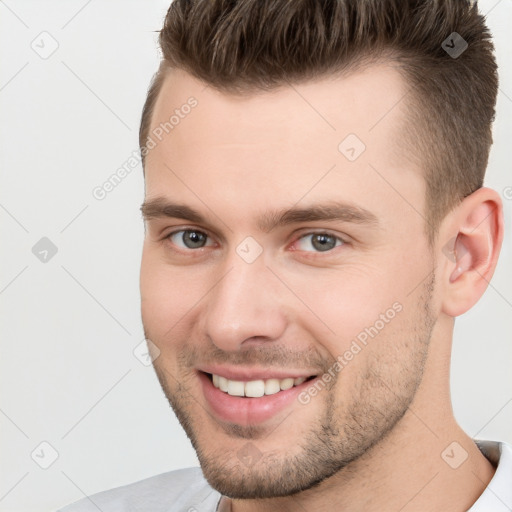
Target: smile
(255,388)
(252,400)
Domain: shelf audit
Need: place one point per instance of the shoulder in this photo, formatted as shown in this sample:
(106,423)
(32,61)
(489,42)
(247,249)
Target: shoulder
(184,490)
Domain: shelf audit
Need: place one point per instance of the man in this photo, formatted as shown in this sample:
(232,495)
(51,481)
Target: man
(315,221)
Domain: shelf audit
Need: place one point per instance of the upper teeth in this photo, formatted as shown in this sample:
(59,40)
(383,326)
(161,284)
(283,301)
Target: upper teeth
(255,388)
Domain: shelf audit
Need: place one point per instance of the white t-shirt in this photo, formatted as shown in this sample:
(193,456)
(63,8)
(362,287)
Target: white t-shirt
(186,490)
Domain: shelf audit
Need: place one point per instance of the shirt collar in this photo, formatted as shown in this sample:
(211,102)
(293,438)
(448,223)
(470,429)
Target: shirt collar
(497,496)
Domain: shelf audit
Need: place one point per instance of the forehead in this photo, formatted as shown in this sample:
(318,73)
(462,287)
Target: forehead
(360,102)
(339,134)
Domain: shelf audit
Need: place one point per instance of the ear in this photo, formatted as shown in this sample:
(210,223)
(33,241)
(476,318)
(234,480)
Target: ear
(472,233)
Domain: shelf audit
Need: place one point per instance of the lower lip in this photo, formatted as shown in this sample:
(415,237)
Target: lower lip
(245,410)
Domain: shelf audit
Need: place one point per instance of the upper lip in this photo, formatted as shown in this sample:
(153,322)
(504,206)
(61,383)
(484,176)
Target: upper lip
(248,374)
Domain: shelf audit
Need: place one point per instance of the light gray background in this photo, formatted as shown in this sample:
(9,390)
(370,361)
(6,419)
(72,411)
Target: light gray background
(69,326)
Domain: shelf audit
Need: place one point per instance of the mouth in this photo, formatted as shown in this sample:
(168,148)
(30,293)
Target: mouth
(256,388)
(252,401)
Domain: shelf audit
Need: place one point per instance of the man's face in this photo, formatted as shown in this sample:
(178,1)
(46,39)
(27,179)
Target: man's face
(282,256)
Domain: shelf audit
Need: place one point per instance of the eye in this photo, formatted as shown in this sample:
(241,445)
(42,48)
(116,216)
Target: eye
(318,242)
(189,239)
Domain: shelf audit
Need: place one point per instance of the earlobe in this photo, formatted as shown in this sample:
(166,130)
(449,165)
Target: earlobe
(471,262)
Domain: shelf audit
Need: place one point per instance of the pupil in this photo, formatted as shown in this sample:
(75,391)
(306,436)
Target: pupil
(323,242)
(193,239)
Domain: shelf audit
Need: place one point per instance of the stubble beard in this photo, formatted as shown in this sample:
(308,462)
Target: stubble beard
(341,436)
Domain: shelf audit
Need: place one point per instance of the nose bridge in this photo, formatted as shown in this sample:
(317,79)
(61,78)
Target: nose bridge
(242,306)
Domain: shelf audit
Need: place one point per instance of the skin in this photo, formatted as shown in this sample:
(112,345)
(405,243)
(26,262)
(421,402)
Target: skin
(356,444)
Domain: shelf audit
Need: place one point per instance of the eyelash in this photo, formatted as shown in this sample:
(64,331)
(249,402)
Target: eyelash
(301,237)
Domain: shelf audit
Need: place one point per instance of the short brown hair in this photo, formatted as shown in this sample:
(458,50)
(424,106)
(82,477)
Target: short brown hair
(245,46)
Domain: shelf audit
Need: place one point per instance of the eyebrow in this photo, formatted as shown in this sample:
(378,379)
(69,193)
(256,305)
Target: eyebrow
(328,211)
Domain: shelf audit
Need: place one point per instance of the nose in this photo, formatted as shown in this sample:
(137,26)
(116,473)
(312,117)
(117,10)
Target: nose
(245,307)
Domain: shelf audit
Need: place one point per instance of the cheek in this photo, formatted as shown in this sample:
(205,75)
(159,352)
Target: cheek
(354,302)
(159,294)
(168,294)
(342,300)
